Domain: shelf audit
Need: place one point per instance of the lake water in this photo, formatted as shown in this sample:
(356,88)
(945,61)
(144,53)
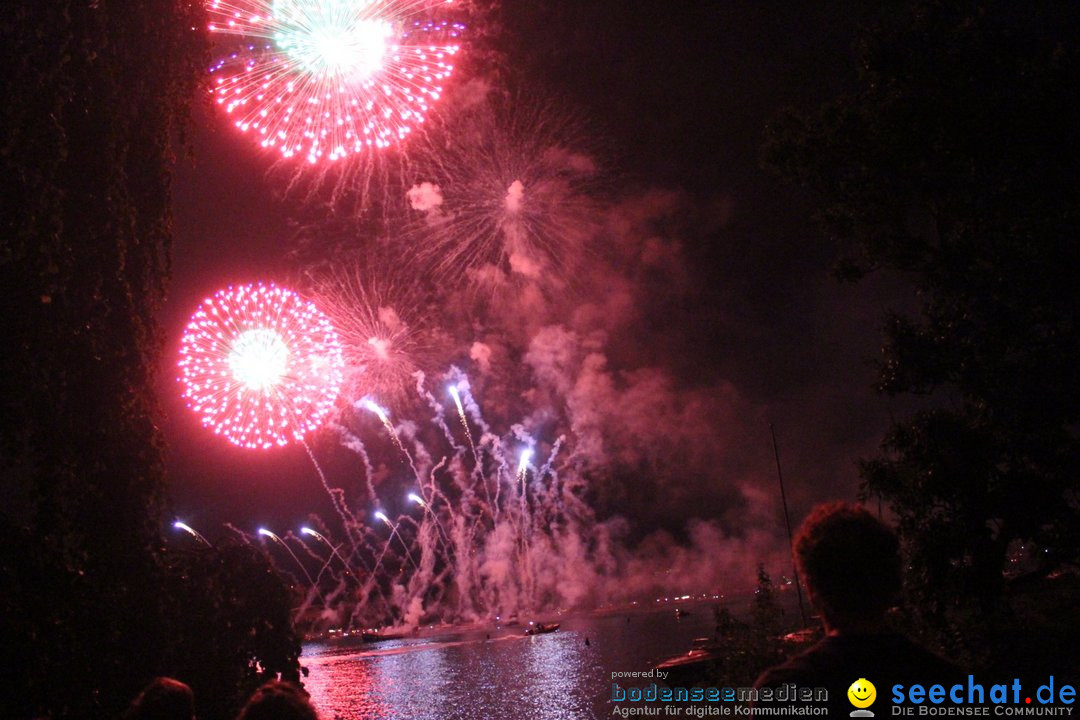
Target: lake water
(511,676)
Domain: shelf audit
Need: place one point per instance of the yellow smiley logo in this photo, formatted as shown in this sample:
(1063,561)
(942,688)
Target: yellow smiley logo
(862,693)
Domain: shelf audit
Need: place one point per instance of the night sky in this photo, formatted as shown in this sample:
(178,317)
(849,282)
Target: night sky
(739,325)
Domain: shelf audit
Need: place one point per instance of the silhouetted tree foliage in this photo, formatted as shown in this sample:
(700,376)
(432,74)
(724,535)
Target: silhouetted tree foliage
(231,628)
(91,606)
(954,161)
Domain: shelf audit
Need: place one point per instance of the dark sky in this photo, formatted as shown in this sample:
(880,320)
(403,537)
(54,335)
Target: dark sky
(757,330)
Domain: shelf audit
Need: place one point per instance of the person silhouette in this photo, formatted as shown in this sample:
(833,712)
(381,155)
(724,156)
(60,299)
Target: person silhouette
(163,699)
(849,562)
(278,700)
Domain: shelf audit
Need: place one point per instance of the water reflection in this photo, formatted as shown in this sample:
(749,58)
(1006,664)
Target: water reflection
(551,660)
(544,677)
(348,690)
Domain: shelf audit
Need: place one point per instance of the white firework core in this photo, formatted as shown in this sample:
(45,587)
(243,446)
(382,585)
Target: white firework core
(258,358)
(340,44)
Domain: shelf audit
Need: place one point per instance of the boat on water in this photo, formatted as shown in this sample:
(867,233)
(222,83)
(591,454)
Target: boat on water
(376,636)
(541,628)
(703,663)
(694,667)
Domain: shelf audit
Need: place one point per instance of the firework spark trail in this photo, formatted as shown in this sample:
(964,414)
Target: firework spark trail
(370,584)
(337,497)
(428,505)
(324,79)
(369,541)
(501,466)
(461,381)
(381,413)
(478,517)
(352,442)
(279,541)
(456,376)
(240,533)
(424,572)
(312,587)
(548,467)
(459,451)
(179,525)
(382,554)
(420,460)
(548,501)
(439,418)
(429,514)
(407,519)
(314,590)
(307,550)
(436,493)
(435,488)
(368,404)
(455,561)
(524,463)
(463,398)
(478,463)
(421,454)
(394,531)
(552,492)
(483,515)
(454,393)
(333,553)
(524,520)
(325,566)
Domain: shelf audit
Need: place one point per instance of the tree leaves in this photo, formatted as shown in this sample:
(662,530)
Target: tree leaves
(954,162)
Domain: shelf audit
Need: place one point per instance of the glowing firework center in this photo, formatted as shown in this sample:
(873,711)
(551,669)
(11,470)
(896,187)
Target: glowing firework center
(325,38)
(328,78)
(258,359)
(260,365)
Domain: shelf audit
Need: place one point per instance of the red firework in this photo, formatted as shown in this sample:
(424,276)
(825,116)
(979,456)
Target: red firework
(324,79)
(260,365)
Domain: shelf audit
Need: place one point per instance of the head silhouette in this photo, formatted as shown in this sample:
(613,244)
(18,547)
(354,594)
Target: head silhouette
(850,562)
(278,700)
(163,699)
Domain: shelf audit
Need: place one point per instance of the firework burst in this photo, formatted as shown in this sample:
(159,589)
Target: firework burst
(504,189)
(323,79)
(260,365)
(382,322)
